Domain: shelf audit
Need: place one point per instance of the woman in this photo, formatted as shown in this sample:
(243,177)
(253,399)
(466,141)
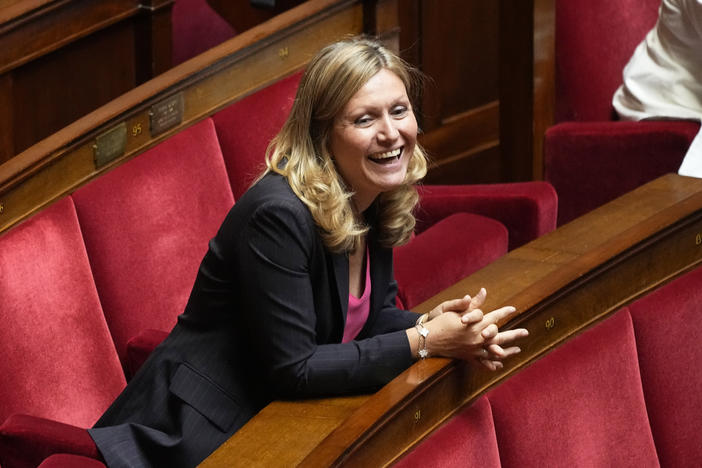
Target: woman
(296,297)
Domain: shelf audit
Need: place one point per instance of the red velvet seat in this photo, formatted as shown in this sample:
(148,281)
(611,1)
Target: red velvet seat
(589,158)
(63,460)
(581,405)
(467,439)
(58,362)
(146,226)
(668,344)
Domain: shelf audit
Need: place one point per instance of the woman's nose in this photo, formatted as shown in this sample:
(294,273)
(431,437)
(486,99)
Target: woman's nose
(388,131)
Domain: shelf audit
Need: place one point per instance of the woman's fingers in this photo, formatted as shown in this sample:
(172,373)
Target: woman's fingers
(497,351)
(478,300)
(456,305)
(499,315)
(472,317)
(507,336)
(491,365)
(489,332)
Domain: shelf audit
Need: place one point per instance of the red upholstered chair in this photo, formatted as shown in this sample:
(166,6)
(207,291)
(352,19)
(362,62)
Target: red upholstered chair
(577,405)
(666,325)
(460,228)
(196,27)
(589,158)
(146,227)
(59,368)
(467,439)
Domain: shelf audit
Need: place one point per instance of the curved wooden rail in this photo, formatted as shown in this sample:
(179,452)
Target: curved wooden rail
(562,283)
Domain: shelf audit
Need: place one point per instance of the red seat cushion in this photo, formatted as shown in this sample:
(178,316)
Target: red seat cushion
(63,460)
(58,360)
(666,324)
(467,439)
(27,440)
(246,127)
(448,251)
(146,226)
(580,405)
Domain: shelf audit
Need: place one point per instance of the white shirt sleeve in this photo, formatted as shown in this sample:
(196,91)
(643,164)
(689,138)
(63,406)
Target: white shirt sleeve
(663,78)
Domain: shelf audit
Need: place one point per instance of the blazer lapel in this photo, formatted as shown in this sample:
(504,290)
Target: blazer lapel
(341,275)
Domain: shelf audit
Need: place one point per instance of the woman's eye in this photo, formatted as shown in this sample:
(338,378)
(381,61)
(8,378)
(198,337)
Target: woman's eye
(365,120)
(399,111)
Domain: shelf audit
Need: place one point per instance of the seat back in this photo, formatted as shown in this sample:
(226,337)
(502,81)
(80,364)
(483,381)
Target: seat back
(580,405)
(58,360)
(146,226)
(196,28)
(577,406)
(594,40)
(666,325)
(246,127)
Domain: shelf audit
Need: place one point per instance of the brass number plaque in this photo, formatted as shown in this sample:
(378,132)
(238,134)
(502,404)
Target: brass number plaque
(283,53)
(166,114)
(698,239)
(2,208)
(136,129)
(110,145)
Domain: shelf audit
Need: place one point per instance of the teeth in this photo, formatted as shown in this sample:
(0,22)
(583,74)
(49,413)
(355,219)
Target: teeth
(388,154)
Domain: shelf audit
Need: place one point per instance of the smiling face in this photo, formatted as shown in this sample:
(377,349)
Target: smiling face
(373,137)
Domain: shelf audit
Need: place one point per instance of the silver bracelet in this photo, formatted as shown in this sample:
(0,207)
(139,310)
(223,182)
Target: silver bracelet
(423,333)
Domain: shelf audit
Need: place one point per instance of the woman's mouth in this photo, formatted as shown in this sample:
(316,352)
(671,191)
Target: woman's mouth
(387,157)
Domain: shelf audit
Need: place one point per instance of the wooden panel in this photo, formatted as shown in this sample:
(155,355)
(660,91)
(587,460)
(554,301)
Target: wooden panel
(61,87)
(527,52)
(465,149)
(476,52)
(7,139)
(455,43)
(65,58)
(153,43)
(249,61)
(459,53)
(562,283)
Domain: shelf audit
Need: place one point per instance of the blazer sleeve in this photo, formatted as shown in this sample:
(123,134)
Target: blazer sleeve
(281,243)
(390,318)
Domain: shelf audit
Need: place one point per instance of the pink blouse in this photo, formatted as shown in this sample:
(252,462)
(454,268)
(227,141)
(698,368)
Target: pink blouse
(358,309)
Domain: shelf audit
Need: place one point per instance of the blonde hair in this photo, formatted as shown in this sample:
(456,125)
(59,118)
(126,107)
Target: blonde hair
(300,150)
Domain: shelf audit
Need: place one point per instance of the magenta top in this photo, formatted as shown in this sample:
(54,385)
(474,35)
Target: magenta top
(358,308)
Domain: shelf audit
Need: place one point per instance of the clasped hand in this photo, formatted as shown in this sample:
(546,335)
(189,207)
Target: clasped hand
(459,329)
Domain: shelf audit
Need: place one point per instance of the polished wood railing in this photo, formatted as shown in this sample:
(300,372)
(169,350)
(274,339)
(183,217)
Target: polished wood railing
(561,283)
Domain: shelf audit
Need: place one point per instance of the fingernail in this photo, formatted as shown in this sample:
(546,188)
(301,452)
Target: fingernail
(518,350)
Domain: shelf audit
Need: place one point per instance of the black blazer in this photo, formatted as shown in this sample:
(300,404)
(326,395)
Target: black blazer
(264,321)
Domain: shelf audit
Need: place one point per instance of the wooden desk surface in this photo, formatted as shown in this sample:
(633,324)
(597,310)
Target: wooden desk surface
(561,284)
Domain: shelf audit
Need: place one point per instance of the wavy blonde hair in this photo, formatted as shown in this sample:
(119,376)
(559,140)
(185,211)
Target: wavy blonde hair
(300,150)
